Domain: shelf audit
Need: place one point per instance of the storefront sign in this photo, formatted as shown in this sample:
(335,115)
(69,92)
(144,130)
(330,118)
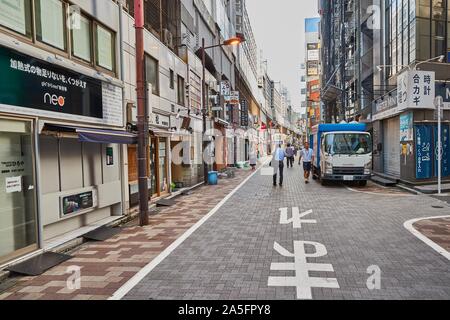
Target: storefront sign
(13,184)
(313,52)
(313,68)
(233,98)
(416,90)
(77,202)
(225,88)
(14,166)
(50,90)
(424,149)
(406,127)
(244,113)
(445,138)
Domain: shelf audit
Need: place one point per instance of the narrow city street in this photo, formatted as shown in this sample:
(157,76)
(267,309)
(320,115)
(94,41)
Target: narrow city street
(157,151)
(230,255)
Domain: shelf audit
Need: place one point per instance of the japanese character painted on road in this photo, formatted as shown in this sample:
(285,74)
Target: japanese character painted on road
(296,217)
(301,280)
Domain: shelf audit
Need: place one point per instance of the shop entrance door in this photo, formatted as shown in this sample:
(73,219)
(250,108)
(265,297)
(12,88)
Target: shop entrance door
(159,166)
(18,222)
(391,150)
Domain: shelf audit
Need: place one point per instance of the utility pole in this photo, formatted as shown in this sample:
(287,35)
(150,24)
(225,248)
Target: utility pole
(204,111)
(142,120)
(438,101)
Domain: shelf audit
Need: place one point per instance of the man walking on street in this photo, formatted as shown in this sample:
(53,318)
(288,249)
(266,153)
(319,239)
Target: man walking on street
(290,155)
(278,164)
(307,155)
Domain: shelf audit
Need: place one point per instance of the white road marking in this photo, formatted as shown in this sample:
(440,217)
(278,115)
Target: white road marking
(301,280)
(130,284)
(296,218)
(379,193)
(409,226)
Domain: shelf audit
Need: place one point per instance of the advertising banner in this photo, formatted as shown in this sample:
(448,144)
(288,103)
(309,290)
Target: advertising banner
(406,127)
(51,90)
(424,151)
(445,136)
(244,113)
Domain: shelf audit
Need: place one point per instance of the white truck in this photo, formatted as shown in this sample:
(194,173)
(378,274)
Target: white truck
(343,152)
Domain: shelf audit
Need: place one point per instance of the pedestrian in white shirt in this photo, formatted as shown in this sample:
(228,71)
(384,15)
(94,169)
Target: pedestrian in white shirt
(307,155)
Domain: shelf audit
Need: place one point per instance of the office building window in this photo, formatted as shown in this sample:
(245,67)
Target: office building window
(81,40)
(50,23)
(152,73)
(105,48)
(172,79)
(180,84)
(16,15)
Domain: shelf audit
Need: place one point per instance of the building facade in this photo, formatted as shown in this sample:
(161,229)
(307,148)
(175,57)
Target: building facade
(412,43)
(313,71)
(62,121)
(68,109)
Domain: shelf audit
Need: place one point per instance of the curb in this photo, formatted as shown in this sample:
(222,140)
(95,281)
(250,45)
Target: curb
(409,225)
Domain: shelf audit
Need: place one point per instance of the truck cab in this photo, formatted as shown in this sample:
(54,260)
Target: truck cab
(343,152)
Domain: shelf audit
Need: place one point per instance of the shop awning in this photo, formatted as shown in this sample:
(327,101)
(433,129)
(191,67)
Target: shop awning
(96,135)
(160,132)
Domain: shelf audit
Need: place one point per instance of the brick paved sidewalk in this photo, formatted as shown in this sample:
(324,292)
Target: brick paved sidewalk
(106,266)
(437,230)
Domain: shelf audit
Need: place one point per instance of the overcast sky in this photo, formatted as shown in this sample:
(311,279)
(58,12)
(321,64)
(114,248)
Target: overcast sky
(278,26)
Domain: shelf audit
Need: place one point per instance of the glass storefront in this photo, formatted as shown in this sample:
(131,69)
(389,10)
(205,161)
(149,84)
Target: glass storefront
(18,223)
(162,175)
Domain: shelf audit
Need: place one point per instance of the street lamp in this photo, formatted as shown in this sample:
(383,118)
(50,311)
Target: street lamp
(229,42)
(438,58)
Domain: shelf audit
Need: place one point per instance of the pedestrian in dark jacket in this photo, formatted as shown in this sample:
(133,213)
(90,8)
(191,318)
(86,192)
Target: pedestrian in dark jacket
(290,153)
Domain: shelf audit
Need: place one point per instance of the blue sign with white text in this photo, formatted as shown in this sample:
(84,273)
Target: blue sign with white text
(424,151)
(445,140)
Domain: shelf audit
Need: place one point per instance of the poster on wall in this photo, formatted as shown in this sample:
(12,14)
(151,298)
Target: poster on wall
(77,202)
(406,127)
(424,150)
(445,138)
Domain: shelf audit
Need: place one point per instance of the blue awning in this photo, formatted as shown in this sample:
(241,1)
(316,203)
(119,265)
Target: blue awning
(96,135)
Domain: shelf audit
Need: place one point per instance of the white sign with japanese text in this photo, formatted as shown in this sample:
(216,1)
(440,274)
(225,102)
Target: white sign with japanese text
(13,184)
(416,90)
(225,88)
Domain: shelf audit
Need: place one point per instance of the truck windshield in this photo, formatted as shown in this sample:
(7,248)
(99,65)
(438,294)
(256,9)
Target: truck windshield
(348,143)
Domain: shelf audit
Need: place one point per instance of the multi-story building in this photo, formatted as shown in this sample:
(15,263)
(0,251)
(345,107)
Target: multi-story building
(62,121)
(371,53)
(313,67)
(303,98)
(413,35)
(338,30)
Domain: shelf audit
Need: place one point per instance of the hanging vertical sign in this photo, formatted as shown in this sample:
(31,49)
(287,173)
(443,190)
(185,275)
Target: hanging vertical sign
(424,149)
(445,139)
(244,113)
(416,89)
